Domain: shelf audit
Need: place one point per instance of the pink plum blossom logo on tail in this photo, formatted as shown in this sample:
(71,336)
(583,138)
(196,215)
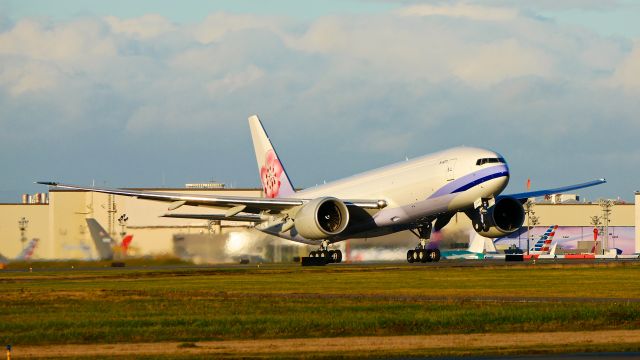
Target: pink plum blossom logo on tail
(270,174)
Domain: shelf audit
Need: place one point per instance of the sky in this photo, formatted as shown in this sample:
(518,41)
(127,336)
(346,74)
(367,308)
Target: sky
(157,93)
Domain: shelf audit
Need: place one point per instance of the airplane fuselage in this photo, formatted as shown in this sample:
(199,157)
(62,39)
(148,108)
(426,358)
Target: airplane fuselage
(421,188)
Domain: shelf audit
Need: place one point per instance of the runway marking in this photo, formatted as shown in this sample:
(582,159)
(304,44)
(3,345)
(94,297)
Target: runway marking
(344,345)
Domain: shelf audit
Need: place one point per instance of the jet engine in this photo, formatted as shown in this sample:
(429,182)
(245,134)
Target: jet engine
(321,218)
(501,219)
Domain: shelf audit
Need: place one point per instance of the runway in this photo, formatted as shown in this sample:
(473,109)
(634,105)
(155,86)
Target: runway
(577,356)
(52,266)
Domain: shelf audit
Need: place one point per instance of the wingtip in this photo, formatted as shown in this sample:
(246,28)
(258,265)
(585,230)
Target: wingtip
(49,183)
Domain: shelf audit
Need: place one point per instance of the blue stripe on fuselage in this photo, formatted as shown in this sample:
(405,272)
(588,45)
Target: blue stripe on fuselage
(470,180)
(480,181)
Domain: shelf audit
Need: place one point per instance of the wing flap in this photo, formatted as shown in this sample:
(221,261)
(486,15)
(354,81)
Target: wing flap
(219,217)
(253,204)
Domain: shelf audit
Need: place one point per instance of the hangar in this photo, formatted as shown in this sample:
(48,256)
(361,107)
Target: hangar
(58,220)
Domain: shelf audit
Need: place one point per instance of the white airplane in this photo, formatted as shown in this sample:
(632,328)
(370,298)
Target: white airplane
(415,195)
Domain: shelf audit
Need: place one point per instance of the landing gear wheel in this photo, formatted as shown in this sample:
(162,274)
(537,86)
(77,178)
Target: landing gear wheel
(312,254)
(422,255)
(324,254)
(428,255)
(410,255)
(338,256)
(435,255)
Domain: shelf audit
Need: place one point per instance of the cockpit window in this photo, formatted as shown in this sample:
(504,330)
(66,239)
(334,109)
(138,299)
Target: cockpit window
(490,161)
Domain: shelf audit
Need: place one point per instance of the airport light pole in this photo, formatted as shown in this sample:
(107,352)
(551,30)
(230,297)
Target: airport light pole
(122,221)
(606,206)
(532,220)
(22,225)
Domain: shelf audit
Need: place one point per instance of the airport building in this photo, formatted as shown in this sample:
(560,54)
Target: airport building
(61,227)
(637,220)
(58,220)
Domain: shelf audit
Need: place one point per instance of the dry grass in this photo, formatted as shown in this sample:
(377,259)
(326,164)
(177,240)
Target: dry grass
(424,345)
(289,303)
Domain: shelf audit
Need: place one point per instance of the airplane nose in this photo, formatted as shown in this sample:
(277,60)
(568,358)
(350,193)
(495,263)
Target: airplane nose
(504,180)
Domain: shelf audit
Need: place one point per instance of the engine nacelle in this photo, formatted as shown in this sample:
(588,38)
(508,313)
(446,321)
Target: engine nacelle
(321,218)
(503,218)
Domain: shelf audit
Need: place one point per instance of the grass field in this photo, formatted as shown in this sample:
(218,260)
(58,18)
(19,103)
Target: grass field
(280,302)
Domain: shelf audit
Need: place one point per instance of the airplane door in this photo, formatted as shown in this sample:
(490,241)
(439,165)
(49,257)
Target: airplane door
(449,168)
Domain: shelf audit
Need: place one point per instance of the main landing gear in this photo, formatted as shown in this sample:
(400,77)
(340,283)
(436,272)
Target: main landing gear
(421,253)
(331,256)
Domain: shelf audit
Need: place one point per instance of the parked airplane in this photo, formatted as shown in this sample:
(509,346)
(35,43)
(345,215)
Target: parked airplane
(417,195)
(474,251)
(104,243)
(478,248)
(543,245)
(28,251)
(25,254)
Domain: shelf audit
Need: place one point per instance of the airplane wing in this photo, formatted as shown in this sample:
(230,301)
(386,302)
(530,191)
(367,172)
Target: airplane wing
(243,217)
(245,204)
(526,195)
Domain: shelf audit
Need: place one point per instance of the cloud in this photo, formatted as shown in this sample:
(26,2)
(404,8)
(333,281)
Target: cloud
(235,81)
(344,92)
(33,76)
(217,25)
(506,59)
(144,27)
(627,74)
(461,10)
(69,42)
(591,5)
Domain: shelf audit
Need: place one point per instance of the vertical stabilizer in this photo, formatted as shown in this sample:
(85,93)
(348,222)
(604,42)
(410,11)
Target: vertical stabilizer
(28,251)
(476,245)
(274,178)
(543,245)
(101,239)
